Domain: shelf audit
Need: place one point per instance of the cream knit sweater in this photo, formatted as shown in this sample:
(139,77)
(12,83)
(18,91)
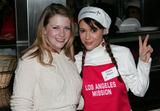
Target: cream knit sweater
(39,88)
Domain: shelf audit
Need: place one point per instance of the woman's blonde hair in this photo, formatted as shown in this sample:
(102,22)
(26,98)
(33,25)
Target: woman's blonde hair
(41,44)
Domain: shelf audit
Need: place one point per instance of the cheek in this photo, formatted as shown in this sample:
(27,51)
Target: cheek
(68,35)
(51,33)
(98,39)
(82,37)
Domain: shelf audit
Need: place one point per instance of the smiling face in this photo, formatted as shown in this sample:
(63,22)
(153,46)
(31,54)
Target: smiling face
(90,37)
(58,31)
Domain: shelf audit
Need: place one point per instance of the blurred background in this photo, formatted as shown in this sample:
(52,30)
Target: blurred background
(130,18)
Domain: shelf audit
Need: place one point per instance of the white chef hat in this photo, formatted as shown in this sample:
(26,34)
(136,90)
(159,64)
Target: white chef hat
(134,3)
(95,13)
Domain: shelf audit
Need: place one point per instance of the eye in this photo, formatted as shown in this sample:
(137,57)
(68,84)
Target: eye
(81,30)
(94,30)
(67,28)
(55,27)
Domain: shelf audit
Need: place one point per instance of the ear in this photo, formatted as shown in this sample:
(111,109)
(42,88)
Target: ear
(44,31)
(105,31)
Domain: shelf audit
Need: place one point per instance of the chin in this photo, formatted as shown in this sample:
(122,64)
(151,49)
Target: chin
(89,48)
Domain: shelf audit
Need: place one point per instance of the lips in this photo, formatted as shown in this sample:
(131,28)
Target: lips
(88,43)
(60,40)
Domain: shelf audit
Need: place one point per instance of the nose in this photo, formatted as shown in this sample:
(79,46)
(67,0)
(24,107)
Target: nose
(61,32)
(87,36)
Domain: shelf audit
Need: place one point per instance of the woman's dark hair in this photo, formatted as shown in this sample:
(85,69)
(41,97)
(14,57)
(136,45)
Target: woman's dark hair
(92,23)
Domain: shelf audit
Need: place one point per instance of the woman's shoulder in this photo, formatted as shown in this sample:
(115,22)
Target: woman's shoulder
(28,58)
(120,52)
(78,55)
(119,49)
(78,58)
(28,61)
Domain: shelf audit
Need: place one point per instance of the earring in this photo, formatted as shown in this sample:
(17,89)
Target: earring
(105,31)
(103,43)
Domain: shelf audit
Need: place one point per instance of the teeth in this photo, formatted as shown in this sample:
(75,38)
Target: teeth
(60,40)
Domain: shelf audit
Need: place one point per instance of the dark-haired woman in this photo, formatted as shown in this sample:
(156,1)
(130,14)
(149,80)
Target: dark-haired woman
(109,71)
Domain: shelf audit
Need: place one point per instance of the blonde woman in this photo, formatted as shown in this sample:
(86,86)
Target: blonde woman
(46,78)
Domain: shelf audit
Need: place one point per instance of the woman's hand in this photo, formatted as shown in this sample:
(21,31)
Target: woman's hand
(145,50)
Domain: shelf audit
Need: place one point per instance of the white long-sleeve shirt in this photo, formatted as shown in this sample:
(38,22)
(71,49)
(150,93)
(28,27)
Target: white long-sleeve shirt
(136,78)
(40,88)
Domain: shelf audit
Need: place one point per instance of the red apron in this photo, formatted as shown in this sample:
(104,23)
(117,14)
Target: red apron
(102,91)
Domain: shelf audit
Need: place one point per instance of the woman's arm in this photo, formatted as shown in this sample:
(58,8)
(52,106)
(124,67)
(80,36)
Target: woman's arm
(137,78)
(23,89)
